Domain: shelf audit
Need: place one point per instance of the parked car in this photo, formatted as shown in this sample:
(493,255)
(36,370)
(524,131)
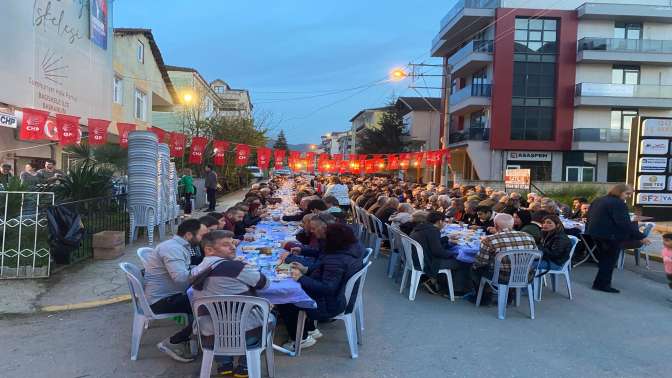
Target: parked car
(282,172)
(256,172)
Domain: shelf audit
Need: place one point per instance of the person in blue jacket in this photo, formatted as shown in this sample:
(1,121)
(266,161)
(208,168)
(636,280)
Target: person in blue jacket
(609,226)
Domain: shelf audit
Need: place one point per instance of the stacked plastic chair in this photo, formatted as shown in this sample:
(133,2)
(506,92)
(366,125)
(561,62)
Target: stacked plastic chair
(143,178)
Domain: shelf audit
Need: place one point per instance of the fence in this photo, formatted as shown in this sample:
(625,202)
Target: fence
(543,186)
(98,214)
(24,248)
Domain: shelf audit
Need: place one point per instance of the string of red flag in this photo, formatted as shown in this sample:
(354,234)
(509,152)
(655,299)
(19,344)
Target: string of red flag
(37,125)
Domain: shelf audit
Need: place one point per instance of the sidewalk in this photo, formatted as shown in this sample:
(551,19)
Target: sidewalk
(84,285)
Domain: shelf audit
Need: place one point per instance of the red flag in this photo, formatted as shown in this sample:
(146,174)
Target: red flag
(197,150)
(176,143)
(242,153)
(310,161)
(98,131)
(404,161)
(392,162)
(123,129)
(160,133)
(68,129)
(379,164)
(417,158)
(369,166)
(263,157)
(32,126)
(294,159)
(278,158)
(220,147)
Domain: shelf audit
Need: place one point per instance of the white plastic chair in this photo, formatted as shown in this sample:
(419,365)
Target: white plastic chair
(394,234)
(522,262)
(367,255)
(143,254)
(354,320)
(142,313)
(230,314)
(378,234)
(564,271)
(407,247)
(646,230)
(591,250)
(142,216)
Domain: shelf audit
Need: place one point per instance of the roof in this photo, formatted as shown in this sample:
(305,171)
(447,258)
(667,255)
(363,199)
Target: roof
(384,108)
(409,104)
(195,71)
(157,57)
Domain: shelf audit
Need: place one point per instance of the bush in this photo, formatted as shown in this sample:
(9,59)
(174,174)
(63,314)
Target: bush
(567,194)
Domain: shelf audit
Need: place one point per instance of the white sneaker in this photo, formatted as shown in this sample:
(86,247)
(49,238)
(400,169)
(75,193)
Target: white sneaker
(305,343)
(316,334)
(175,351)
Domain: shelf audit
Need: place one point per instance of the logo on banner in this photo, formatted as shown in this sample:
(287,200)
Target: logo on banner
(8,120)
(651,182)
(654,146)
(654,198)
(656,127)
(653,164)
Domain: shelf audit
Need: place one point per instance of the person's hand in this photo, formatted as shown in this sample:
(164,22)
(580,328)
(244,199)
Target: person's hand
(492,230)
(249,229)
(248,237)
(474,227)
(299,266)
(282,257)
(296,274)
(646,241)
(295,250)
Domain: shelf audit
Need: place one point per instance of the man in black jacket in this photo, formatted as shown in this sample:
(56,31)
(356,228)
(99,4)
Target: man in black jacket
(609,225)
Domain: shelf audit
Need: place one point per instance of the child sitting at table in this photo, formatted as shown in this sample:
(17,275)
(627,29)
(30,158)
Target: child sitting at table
(667,258)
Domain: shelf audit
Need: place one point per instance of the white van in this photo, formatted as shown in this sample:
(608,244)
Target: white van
(256,172)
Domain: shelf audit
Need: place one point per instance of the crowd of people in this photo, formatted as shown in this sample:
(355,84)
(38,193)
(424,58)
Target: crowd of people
(326,252)
(31,177)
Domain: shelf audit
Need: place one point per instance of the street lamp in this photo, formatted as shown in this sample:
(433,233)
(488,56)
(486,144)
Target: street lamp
(187,97)
(398,74)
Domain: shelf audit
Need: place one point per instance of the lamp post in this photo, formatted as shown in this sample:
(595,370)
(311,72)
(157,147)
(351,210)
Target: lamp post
(187,98)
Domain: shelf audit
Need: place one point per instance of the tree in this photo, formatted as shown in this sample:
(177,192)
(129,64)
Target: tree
(281,142)
(387,138)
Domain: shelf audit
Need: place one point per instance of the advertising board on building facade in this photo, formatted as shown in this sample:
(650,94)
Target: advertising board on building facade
(650,166)
(529,155)
(8,120)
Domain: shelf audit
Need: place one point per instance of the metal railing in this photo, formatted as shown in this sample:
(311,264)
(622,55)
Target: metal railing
(625,45)
(474,46)
(462,4)
(24,248)
(472,133)
(474,90)
(601,135)
(98,214)
(623,90)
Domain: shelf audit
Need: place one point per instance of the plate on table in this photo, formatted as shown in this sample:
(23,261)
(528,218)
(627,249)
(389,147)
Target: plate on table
(280,276)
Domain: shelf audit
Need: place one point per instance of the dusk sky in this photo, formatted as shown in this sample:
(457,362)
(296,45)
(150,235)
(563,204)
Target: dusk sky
(300,59)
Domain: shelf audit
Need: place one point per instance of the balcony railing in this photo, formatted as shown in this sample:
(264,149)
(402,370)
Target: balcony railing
(473,133)
(485,46)
(601,135)
(626,45)
(623,90)
(474,90)
(461,4)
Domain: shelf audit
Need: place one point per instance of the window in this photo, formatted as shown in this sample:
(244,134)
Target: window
(580,166)
(118,90)
(616,166)
(477,120)
(580,174)
(536,35)
(140,52)
(625,74)
(532,123)
(208,105)
(625,30)
(621,119)
(140,105)
(219,89)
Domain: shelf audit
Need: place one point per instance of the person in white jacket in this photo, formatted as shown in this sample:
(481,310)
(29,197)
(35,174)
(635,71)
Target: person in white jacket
(338,190)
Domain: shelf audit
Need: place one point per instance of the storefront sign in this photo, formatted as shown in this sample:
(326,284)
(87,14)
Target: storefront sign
(652,164)
(654,198)
(8,120)
(529,156)
(654,146)
(657,127)
(517,179)
(651,182)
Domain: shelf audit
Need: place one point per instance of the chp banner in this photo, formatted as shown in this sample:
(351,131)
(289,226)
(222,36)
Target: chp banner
(68,129)
(123,129)
(220,148)
(310,161)
(278,158)
(242,153)
(33,124)
(176,143)
(160,133)
(263,157)
(98,131)
(197,150)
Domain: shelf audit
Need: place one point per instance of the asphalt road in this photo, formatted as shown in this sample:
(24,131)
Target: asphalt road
(595,335)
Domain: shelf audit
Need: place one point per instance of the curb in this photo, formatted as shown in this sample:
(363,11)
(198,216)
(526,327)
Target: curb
(87,304)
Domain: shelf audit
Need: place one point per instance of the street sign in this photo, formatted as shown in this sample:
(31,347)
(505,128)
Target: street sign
(653,164)
(517,179)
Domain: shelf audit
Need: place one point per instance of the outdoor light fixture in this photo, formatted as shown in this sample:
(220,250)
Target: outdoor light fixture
(398,74)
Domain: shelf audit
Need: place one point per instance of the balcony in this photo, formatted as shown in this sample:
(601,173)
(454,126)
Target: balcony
(473,133)
(465,18)
(601,139)
(470,58)
(470,98)
(623,95)
(619,50)
(625,12)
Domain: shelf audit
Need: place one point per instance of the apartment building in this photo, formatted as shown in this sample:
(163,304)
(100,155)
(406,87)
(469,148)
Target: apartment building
(336,142)
(366,119)
(235,103)
(551,85)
